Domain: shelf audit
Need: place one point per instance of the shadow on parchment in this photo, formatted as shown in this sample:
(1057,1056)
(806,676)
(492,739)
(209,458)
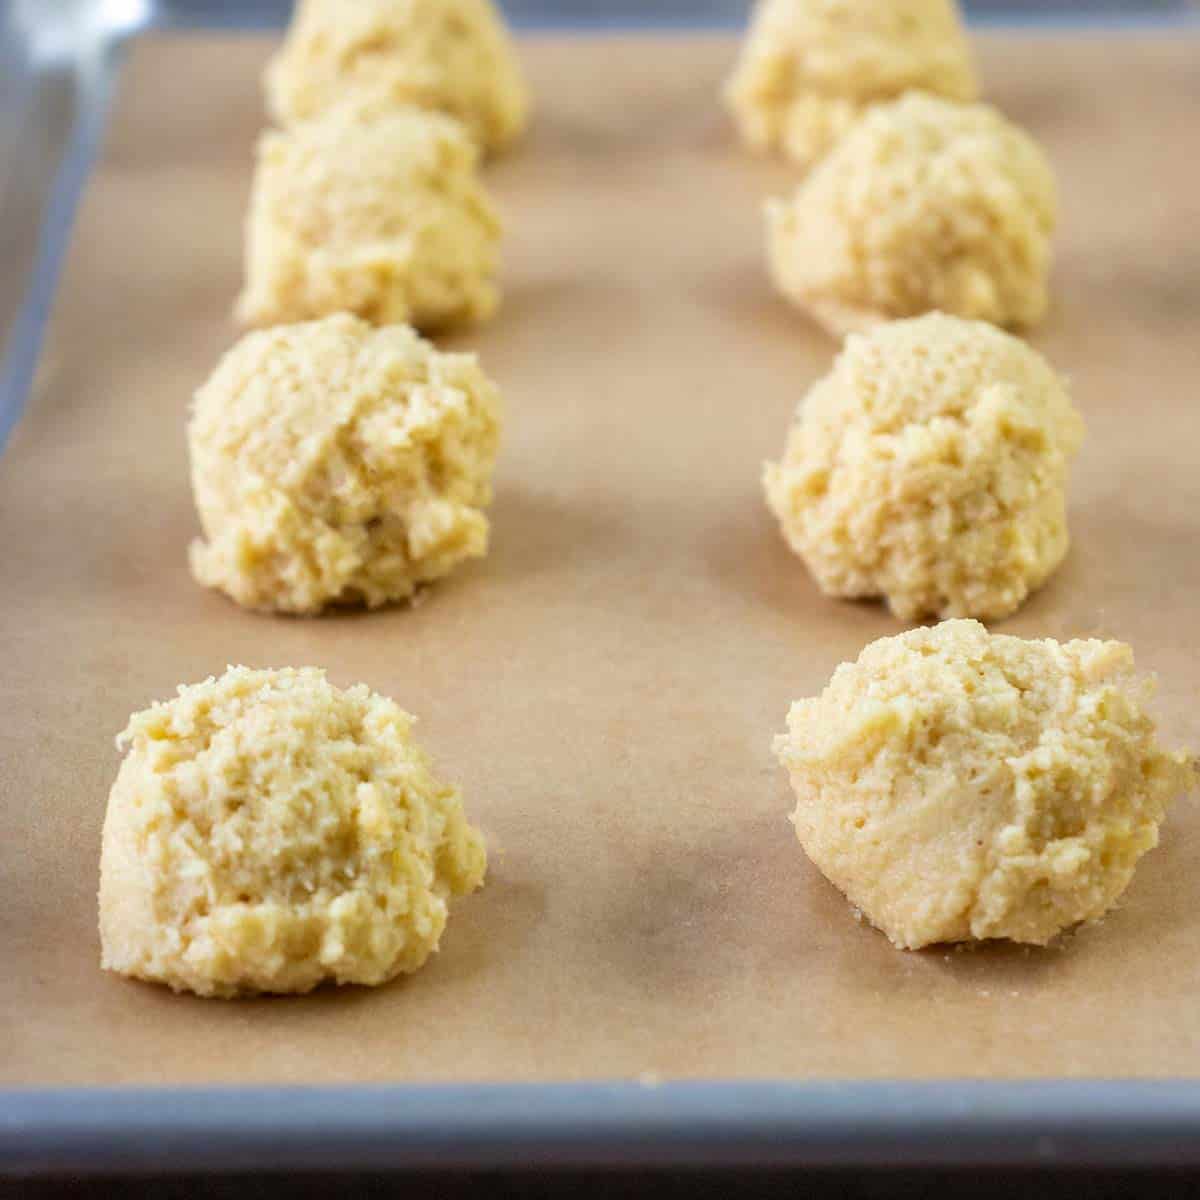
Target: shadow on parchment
(749,890)
(489,928)
(1038,104)
(534,532)
(530,312)
(745,550)
(736,891)
(742,292)
(1135,285)
(610,306)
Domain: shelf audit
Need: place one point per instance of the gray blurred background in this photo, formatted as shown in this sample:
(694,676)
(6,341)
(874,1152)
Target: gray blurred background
(706,12)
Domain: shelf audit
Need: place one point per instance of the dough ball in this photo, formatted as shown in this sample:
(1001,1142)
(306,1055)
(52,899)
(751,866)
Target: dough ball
(925,204)
(374,212)
(809,67)
(334,463)
(929,467)
(453,56)
(958,785)
(268,831)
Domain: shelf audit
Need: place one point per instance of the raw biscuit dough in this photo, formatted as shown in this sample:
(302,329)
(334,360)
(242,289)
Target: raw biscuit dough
(378,212)
(925,204)
(268,831)
(809,67)
(930,467)
(454,56)
(957,785)
(336,463)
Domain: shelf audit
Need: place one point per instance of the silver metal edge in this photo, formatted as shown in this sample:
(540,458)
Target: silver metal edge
(93,87)
(949,1124)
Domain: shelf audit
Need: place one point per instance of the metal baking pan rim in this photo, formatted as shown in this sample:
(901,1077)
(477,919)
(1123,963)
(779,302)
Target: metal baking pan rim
(1101,1123)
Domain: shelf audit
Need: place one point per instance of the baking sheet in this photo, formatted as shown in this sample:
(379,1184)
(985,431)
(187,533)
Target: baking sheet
(606,684)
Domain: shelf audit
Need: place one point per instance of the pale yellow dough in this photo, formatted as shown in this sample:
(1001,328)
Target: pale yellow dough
(809,68)
(929,467)
(957,785)
(378,212)
(268,832)
(454,56)
(336,463)
(925,204)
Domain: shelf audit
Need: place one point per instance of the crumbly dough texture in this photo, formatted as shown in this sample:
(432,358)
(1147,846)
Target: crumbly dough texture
(374,211)
(453,56)
(957,785)
(809,68)
(338,464)
(268,832)
(925,204)
(929,467)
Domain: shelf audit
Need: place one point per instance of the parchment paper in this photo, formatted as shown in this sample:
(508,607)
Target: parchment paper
(606,684)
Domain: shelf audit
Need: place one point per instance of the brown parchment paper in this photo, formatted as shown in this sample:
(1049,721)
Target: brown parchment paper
(606,684)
